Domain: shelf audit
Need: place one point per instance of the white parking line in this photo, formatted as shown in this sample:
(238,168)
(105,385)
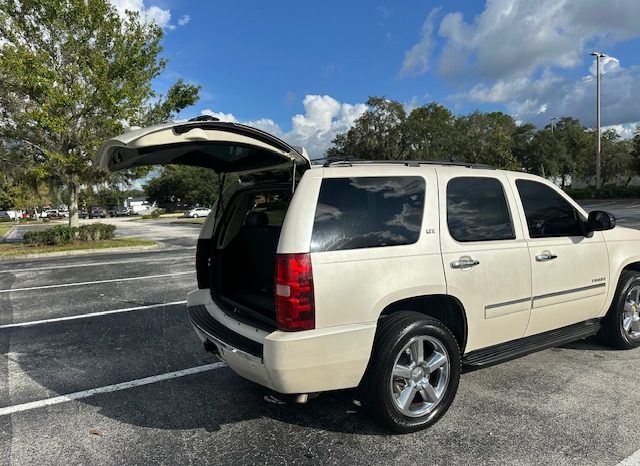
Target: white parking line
(91,314)
(633,460)
(109,388)
(91,264)
(62,285)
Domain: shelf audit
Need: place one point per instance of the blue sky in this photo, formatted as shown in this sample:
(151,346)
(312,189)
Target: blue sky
(304,69)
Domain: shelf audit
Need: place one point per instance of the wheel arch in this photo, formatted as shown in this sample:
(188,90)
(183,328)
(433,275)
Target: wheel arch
(446,308)
(631,266)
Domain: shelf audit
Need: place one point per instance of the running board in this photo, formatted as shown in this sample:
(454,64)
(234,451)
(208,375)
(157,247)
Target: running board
(523,346)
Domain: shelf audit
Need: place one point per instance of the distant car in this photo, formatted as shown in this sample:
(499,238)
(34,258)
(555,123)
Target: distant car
(97,212)
(64,213)
(198,212)
(4,216)
(51,213)
(83,214)
(119,212)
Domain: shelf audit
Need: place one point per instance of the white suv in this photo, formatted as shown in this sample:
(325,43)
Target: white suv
(388,276)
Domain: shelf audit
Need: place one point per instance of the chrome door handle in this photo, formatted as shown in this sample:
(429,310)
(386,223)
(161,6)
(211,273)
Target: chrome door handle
(546,256)
(464,263)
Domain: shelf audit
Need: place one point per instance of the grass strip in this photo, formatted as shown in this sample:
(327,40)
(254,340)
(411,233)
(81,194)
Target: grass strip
(4,228)
(19,249)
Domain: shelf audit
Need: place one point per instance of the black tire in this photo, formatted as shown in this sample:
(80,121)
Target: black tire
(378,387)
(613,332)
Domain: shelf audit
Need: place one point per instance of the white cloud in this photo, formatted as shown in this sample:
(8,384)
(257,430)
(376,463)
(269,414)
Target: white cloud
(518,53)
(184,20)
(416,59)
(537,100)
(151,14)
(323,119)
(230,117)
(626,131)
(516,37)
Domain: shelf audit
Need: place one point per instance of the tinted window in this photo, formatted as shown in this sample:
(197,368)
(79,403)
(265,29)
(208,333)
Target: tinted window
(548,213)
(477,210)
(273,203)
(368,212)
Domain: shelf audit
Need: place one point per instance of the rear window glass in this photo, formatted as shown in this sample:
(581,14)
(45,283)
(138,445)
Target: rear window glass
(368,212)
(273,204)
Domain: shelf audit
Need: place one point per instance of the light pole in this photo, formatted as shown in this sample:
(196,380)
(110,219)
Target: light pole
(553,124)
(598,56)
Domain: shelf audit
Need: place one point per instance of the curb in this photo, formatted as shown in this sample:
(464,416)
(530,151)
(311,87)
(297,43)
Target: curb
(82,252)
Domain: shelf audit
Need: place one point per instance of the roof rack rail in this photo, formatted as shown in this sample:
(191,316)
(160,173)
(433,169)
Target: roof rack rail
(348,162)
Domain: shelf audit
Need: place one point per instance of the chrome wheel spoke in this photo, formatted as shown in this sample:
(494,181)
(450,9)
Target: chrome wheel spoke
(417,351)
(631,312)
(402,371)
(435,361)
(406,396)
(628,309)
(428,394)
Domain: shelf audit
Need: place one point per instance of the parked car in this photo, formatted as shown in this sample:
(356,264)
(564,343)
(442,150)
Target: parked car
(198,212)
(4,216)
(119,212)
(389,276)
(52,214)
(83,213)
(97,212)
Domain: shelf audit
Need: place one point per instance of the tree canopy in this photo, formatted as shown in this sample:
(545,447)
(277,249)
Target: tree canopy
(184,185)
(432,132)
(72,74)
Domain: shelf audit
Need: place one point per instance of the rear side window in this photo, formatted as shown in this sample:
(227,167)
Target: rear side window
(368,212)
(477,210)
(548,214)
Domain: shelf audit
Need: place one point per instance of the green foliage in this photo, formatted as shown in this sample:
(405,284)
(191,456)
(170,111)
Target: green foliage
(71,72)
(378,134)
(432,132)
(184,185)
(62,234)
(96,232)
(605,192)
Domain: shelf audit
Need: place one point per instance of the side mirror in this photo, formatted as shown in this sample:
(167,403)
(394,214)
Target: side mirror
(600,220)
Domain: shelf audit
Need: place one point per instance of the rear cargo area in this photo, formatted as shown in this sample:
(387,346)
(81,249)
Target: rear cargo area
(244,261)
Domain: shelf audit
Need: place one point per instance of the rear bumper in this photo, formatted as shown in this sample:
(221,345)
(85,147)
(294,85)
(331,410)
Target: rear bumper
(287,362)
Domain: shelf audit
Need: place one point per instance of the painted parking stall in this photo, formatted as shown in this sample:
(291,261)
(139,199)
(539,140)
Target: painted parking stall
(104,373)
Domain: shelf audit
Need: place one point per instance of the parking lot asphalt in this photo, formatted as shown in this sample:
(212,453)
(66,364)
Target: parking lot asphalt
(70,325)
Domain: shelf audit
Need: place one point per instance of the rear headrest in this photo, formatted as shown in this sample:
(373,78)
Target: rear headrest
(256,219)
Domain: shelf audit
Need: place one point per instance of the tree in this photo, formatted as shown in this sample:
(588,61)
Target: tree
(617,160)
(486,138)
(179,184)
(72,74)
(378,133)
(430,133)
(635,151)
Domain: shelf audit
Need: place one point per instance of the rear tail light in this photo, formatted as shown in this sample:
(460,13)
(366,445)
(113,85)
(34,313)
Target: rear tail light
(295,304)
